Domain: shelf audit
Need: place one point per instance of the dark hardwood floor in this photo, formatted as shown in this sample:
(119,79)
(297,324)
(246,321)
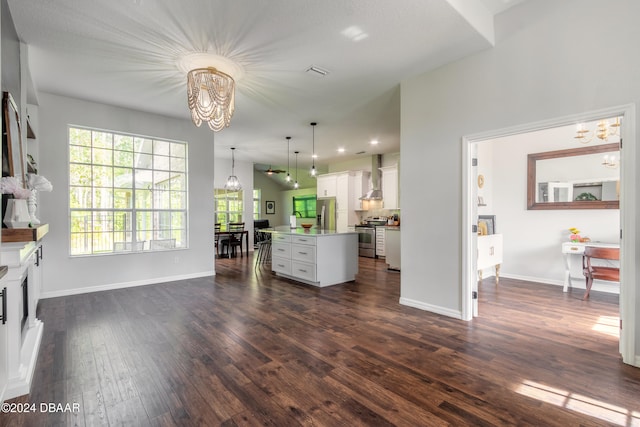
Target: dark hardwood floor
(246,348)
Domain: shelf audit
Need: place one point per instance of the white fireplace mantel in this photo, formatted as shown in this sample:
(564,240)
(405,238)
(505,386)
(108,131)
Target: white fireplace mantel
(21,345)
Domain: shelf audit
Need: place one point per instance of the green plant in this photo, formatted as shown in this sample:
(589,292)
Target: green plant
(586,196)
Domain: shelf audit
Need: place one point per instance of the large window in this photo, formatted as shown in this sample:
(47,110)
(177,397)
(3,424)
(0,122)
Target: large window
(305,206)
(127,193)
(228,207)
(256,203)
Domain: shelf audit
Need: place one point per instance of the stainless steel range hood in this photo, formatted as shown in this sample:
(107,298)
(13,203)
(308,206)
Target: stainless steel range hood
(376,176)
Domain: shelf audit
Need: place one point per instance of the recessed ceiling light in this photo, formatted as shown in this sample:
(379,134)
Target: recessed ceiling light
(315,156)
(374,142)
(341,150)
(354,33)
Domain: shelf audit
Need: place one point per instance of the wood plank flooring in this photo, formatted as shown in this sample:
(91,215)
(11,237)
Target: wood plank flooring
(246,348)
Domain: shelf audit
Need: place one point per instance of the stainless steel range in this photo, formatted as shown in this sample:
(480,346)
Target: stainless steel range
(367,237)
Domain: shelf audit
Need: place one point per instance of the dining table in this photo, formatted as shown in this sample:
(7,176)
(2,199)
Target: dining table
(244,236)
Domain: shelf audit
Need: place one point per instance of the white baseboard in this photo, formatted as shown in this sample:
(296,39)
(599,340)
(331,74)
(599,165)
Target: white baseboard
(21,384)
(576,282)
(156,280)
(432,308)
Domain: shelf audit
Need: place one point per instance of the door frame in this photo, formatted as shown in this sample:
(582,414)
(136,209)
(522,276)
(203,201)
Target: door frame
(628,200)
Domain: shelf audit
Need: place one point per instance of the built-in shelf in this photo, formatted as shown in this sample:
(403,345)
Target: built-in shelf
(12,235)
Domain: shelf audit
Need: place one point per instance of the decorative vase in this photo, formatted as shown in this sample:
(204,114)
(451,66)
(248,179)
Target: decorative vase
(32,204)
(17,214)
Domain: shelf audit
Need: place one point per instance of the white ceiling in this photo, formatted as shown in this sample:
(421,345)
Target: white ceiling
(125,53)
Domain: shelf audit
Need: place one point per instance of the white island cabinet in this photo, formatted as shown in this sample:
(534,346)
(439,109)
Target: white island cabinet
(315,257)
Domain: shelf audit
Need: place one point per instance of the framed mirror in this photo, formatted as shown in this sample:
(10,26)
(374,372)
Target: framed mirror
(12,152)
(578,178)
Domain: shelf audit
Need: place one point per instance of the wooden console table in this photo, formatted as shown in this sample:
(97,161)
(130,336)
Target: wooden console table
(577,248)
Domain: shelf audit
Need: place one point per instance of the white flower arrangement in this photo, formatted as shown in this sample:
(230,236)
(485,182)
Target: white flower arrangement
(11,185)
(39,183)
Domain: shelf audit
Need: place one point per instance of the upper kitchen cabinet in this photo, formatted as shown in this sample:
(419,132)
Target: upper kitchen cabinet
(390,188)
(360,187)
(326,186)
(344,188)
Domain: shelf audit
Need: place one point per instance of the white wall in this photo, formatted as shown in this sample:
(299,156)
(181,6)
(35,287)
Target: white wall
(66,275)
(544,65)
(270,190)
(532,238)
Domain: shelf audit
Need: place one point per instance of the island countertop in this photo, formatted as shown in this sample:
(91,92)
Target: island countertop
(285,229)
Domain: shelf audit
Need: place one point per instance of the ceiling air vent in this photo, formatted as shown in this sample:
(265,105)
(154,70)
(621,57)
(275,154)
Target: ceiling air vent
(317,71)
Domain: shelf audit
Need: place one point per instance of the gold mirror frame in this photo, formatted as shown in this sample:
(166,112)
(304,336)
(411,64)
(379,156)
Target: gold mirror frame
(531,179)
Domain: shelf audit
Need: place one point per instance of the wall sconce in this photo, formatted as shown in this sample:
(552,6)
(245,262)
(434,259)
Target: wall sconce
(610,161)
(603,130)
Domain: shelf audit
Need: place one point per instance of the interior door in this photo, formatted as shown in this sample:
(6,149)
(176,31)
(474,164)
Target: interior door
(474,237)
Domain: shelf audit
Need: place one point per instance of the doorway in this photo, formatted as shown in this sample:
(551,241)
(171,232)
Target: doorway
(626,218)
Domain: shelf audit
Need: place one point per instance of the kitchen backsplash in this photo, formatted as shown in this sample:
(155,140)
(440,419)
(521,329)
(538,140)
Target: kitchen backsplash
(378,213)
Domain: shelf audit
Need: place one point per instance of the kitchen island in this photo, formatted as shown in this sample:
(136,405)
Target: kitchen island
(315,257)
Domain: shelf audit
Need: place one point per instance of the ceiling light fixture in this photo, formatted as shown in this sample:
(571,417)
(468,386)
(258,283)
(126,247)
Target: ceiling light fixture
(211,96)
(288,178)
(233,183)
(603,130)
(295,184)
(313,171)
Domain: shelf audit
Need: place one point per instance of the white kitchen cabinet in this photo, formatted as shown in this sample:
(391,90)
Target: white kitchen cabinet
(4,342)
(23,329)
(326,185)
(381,232)
(392,248)
(344,187)
(319,257)
(360,188)
(390,187)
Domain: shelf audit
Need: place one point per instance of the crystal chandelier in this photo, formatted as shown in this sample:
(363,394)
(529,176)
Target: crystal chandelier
(603,130)
(211,95)
(233,183)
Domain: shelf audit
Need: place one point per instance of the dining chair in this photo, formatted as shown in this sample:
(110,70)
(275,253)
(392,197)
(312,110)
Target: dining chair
(600,272)
(216,238)
(233,240)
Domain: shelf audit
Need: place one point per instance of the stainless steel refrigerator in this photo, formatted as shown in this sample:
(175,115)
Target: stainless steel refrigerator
(326,211)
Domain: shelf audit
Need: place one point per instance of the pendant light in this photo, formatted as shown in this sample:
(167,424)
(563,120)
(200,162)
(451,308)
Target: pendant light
(288,166)
(295,184)
(313,171)
(233,183)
